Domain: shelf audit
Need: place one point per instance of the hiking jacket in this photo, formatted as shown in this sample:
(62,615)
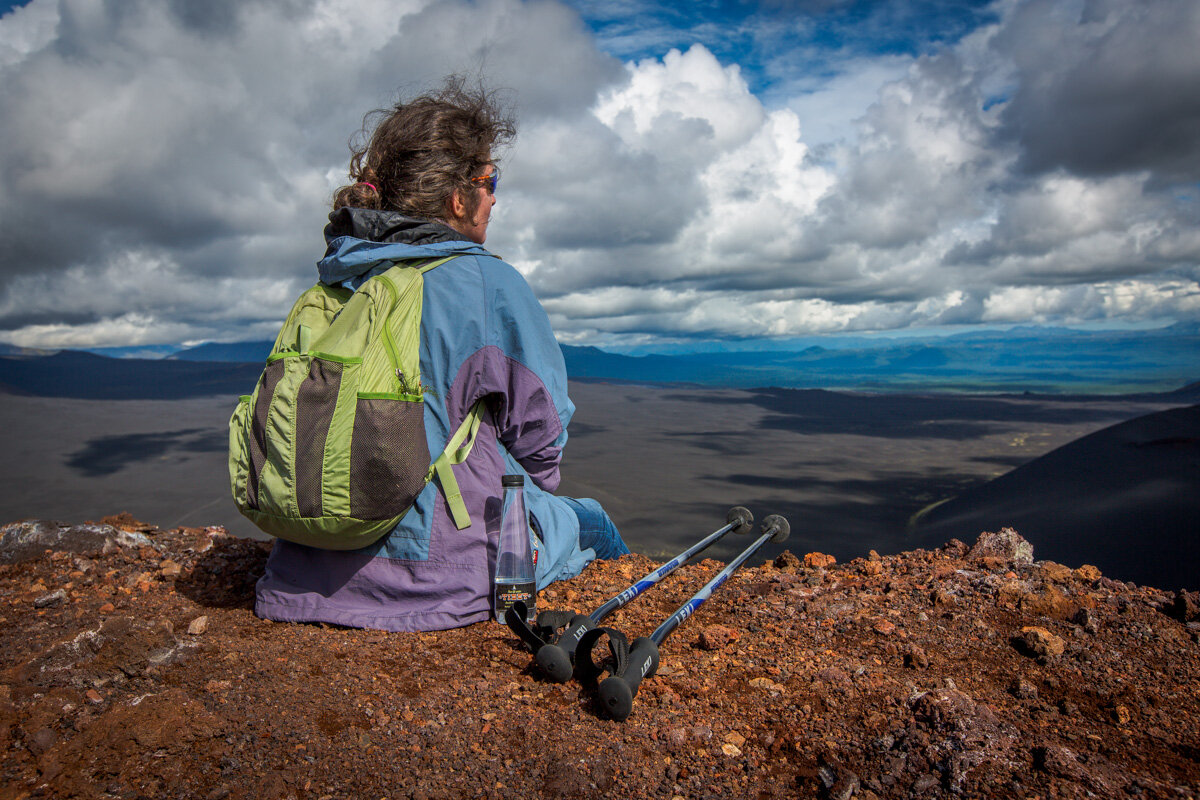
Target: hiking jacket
(483,334)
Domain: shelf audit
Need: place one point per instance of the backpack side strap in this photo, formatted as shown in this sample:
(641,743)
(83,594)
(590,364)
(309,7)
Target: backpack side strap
(456,452)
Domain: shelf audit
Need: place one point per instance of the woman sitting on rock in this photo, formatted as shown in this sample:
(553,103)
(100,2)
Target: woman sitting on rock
(423,186)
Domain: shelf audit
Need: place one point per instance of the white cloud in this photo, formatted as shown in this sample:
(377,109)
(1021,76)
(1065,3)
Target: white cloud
(26,30)
(165,168)
(675,93)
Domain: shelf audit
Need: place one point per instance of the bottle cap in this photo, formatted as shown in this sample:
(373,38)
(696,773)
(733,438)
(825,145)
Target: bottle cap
(512,480)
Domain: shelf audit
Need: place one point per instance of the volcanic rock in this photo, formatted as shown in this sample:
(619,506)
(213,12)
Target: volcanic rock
(957,672)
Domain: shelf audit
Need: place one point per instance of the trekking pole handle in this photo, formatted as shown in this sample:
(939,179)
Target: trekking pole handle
(617,691)
(557,659)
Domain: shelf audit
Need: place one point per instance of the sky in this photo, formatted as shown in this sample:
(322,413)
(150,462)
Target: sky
(713,170)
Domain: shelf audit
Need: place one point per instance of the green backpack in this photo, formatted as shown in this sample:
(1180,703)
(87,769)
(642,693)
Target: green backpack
(330,450)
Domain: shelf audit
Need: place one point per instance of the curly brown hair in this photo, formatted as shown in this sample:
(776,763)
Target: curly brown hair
(413,157)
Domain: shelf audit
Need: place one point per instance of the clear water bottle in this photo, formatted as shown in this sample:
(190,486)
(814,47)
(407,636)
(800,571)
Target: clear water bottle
(514,555)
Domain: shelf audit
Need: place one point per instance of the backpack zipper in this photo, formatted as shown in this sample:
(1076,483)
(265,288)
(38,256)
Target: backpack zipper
(389,344)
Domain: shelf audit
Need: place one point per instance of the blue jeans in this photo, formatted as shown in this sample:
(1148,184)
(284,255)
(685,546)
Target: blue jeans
(596,529)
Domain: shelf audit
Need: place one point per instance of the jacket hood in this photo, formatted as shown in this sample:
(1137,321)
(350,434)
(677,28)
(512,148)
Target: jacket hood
(358,240)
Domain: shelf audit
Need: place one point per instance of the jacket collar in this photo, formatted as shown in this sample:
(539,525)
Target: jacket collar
(387,226)
(362,242)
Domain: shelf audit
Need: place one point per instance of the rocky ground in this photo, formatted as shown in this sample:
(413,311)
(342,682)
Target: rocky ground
(131,665)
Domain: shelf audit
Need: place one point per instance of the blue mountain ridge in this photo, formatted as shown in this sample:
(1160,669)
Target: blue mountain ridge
(1027,359)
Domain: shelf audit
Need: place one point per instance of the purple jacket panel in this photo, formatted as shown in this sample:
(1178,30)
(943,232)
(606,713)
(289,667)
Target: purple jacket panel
(526,419)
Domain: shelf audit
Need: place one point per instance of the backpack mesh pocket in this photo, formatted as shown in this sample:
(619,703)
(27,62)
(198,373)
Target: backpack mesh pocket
(258,428)
(388,457)
(316,399)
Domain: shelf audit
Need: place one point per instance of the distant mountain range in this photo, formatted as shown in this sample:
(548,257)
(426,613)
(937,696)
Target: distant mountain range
(1030,359)
(71,373)
(1041,360)
(1034,359)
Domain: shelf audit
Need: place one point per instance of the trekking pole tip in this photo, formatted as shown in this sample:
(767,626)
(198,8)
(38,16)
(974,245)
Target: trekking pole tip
(777,526)
(740,518)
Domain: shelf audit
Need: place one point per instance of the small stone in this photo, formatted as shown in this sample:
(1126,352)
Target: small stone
(1023,690)
(56,598)
(1120,715)
(1088,573)
(819,560)
(833,675)
(884,627)
(1048,601)
(915,658)
(1007,546)
(42,740)
(107,608)
(716,637)
(730,750)
(198,626)
(734,738)
(1184,606)
(676,737)
(1086,618)
(845,787)
(1039,642)
(955,548)
(924,783)
(169,568)
(940,597)
(1055,572)
(1058,760)
(786,560)
(93,697)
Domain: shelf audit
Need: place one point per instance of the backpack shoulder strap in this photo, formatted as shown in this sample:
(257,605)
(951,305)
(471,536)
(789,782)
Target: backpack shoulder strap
(428,265)
(458,448)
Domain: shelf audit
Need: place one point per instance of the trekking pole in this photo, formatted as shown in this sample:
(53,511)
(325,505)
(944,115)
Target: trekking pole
(554,653)
(633,663)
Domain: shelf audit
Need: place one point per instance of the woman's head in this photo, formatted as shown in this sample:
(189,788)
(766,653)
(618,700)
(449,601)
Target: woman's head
(429,158)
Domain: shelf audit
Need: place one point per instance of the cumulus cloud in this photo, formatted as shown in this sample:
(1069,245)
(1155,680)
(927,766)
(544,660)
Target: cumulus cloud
(166,166)
(215,134)
(1106,87)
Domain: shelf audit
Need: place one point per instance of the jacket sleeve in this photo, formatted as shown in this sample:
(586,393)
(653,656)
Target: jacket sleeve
(521,368)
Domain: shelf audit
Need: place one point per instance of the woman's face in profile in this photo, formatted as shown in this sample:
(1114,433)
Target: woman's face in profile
(474,227)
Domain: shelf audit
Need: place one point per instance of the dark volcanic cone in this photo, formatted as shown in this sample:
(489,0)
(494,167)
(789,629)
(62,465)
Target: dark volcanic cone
(1126,498)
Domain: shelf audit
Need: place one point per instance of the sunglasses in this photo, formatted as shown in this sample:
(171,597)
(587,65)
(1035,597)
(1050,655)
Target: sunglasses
(489,181)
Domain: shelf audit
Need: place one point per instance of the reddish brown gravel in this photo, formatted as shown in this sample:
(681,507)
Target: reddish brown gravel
(132,666)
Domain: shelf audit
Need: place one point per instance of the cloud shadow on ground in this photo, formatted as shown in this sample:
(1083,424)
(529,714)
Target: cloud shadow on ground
(894,416)
(105,455)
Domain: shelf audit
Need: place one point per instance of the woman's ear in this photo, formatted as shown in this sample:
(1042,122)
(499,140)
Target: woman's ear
(456,209)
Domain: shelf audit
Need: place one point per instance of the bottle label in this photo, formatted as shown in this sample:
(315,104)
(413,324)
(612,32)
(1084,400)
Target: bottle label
(509,593)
